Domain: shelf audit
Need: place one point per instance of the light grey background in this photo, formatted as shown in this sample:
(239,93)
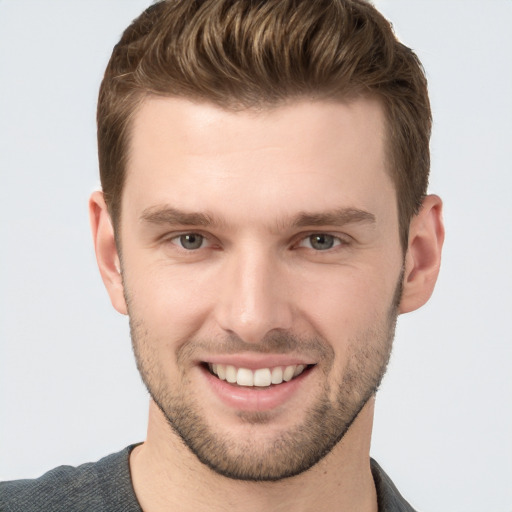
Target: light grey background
(69,390)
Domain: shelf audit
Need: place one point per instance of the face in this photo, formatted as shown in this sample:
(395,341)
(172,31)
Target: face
(261,268)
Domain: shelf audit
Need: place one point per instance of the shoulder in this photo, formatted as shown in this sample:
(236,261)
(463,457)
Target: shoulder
(62,488)
(96,486)
(388,497)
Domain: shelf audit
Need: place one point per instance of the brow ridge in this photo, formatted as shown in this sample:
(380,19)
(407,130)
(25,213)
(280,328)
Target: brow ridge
(338,217)
(170,215)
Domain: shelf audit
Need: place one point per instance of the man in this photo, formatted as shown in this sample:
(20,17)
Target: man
(263,220)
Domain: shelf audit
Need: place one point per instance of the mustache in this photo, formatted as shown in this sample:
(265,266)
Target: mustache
(274,342)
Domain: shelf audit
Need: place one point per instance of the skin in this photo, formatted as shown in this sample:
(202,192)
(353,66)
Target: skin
(256,292)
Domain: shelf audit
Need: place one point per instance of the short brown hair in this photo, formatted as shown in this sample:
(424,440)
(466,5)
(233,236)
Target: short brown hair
(259,53)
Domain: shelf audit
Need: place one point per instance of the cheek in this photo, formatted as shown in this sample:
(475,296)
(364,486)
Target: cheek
(169,299)
(347,302)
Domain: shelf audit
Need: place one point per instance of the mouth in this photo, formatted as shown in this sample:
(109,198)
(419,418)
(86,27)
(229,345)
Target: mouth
(258,378)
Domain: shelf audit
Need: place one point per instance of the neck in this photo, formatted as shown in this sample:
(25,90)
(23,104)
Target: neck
(166,474)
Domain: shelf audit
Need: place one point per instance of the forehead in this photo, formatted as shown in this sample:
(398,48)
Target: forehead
(300,156)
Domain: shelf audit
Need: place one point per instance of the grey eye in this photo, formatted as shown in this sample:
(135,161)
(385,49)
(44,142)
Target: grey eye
(322,242)
(191,241)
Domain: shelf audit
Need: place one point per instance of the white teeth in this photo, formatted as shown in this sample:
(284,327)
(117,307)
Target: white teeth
(244,377)
(262,377)
(288,373)
(277,375)
(298,370)
(230,373)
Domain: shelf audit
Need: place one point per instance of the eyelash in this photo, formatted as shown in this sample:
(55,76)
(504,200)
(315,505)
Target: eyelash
(188,233)
(335,239)
(305,238)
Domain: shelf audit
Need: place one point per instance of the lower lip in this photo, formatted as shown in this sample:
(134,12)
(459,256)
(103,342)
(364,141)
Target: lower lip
(254,398)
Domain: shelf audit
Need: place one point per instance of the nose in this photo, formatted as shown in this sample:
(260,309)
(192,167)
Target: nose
(253,298)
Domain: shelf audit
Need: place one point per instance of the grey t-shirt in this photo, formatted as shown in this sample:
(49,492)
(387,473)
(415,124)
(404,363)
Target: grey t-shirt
(106,486)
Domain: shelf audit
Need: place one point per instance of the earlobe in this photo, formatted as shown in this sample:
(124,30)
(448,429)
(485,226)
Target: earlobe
(106,250)
(423,258)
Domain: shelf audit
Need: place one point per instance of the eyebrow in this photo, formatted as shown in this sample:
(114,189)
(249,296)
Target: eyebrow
(337,217)
(173,216)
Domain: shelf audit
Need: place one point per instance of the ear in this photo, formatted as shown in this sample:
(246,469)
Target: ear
(106,250)
(423,257)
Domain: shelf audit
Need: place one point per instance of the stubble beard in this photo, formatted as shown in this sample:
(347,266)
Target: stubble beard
(295,450)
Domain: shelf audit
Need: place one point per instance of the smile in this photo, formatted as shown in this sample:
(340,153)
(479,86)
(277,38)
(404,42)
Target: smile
(261,377)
